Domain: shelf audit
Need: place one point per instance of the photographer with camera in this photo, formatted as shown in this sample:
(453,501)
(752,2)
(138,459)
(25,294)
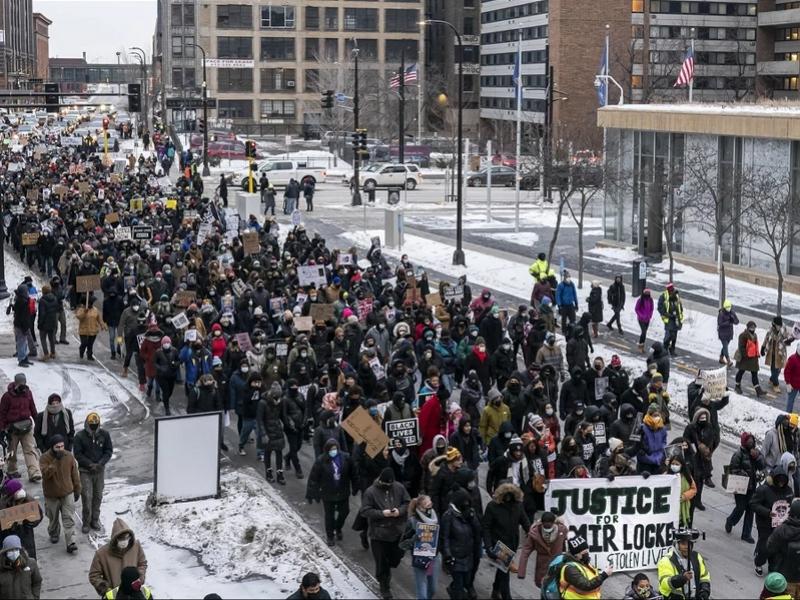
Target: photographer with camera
(682,572)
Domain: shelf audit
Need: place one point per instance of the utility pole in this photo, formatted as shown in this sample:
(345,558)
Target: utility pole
(356,200)
(401,143)
(206,170)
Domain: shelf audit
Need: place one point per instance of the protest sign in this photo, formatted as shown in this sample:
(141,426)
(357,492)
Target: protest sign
(504,556)
(364,308)
(32,195)
(600,436)
(377,368)
(239,287)
(281,349)
(454,292)
(30,239)
(304,323)
(735,484)
(171,204)
(112,217)
(190,335)
(122,234)
(185,297)
(87,283)
(142,233)
(600,387)
(779,512)
(362,428)
(17,209)
(426,541)
(715,382)
(244,341)
(403,429)
(321,312)
(627,523)
(137,204)
(413,296)
(311,275)
(433,299)
(84,187)
(344,259)
(27,511)
(276,304)
(180,321)
(250,243)
(297,217)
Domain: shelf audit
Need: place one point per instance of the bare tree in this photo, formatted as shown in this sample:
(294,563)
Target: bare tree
(772,215)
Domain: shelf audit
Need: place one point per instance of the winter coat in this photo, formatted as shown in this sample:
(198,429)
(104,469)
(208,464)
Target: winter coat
(109,560)
(460,539)
(468,444)
(481,365)
(60,423)
(377,499)
(616,296)
(786,533)
(578,354)
(59,475)
(726,319)
(765,497)
(322,484)
(651,453)
(552,356)
(566,294)
(534,542)
(502,519)
(644,308)
(22,581)
(791,374)
(92,447)
(167,364)
(595,304)
(744,464)
(747,362)
(572,392)
(196,363)
(16,405)
(774,348)
(492,419)
(491,330)
(270,418)
(203,399)
(48,312)
(660,357)
(147,351)
(430,422)
(90,322)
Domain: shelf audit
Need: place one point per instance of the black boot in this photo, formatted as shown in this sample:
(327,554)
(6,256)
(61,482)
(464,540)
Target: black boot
(281,479)
(270,478)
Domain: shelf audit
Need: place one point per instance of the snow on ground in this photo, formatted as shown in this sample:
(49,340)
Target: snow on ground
(15,272)
(523,238)
(740,293)
(249,543)
(536,216)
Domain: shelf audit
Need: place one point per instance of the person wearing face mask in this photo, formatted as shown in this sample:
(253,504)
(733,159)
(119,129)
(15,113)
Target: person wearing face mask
(491,330)
(650,456)
(501,522)
(748,462)
(271,418)
(426,569)
(93,449)
(774,350)
(61,485)
(461,545)
(331,481)
(19,573)
(689,489)
(17,415)
(14,494)
(546,538)
(767,503)
(121,551)
(481,306)
(550,355)
(167,364)
(310,588)
(567,300)
(55,419)
(682,571)
(502,363)
(494,415)
(747,358)
(640,588)
(468,442)
(578,578)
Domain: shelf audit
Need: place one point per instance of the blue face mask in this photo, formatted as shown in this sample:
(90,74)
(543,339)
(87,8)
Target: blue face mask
(373,411)
(333,452)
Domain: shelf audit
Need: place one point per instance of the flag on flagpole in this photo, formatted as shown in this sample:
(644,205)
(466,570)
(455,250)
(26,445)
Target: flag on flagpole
(410,77)
(602,85)
(686,76)
(516,78)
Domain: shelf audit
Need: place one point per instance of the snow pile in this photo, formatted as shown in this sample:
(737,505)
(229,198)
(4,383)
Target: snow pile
(250,536)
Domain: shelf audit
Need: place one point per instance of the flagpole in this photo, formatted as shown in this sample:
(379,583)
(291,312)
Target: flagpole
(691,81)
(401,142)
(420,83)
(518,91)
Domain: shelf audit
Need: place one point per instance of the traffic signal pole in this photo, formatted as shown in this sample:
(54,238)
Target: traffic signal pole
(356,200)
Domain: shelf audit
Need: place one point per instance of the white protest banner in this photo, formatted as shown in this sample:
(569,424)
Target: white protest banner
(715,381)
(627,523)
(122,234)
(312,275)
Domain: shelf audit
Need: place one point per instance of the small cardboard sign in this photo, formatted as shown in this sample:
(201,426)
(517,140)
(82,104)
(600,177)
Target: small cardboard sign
(403,429)
(180,321)
(32,195)
(715,382)
(413,296)
(112,217)
(321,312)
(454,292)
(344,259)
(304,323)
(28,511)
(251,243)
(87,283)
(736,484)
(30,239)
(190,335)
(84,187)
(243,339)
(434,299)
(362,428)
(185,297)
(312,275)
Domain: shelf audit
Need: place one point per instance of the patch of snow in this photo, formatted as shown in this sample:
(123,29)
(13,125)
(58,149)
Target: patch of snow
(523,238)
(738,109)
(249,542)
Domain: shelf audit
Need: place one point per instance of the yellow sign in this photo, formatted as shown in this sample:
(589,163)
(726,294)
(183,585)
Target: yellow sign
(172,204)
(137,204)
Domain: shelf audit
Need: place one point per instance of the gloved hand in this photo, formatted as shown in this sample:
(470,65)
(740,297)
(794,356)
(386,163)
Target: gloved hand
(449,562)
(646,474)
(610,477)
(490,553)
(76,496)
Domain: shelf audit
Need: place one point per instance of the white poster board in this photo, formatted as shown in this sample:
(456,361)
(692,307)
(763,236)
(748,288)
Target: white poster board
(196,436)
(715,381)
(627,522)
(312,275)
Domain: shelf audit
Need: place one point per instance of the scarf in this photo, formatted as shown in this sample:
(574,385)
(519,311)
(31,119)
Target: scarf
(56,415)
(400,459)
(685,506)
(519,471)
(652,423)
(336,463)
(549,538)
(432,520)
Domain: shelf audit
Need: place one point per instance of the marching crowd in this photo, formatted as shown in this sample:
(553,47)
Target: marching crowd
(229,314)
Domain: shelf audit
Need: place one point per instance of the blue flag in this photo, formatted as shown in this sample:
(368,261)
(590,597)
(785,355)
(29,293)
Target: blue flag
(516,78)
(602,88)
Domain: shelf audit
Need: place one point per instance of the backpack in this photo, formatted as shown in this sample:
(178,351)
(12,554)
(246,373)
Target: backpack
(751,349)
(792,561)
(551,589)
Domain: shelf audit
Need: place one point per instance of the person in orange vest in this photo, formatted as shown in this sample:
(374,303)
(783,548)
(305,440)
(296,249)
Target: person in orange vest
(578,578)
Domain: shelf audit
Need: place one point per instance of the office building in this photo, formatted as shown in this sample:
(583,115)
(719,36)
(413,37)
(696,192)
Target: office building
(18,48)
(41,32)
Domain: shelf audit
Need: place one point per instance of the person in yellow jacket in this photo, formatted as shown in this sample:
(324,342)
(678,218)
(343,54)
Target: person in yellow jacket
(682,572)
(578,578)
(775,588)
(670,308)
(131,587)
(540,268)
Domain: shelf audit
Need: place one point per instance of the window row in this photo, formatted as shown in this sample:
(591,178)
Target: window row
(700,83)
(285,48)
(282,16)
(515,12)
(510,58)
(507,81)
(665,57)
(702,33)
(679,7)
(512,35)
(510,104)
(268,109)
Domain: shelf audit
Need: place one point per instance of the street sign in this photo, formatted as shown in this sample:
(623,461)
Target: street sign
(340,97)
(189,103)
(142,233)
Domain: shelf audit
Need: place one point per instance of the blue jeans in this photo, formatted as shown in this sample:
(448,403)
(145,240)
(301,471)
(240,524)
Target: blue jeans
(426,584)
(790,400)
(723,353)
(775,373)
(248,427)
(21,340)
(112,340)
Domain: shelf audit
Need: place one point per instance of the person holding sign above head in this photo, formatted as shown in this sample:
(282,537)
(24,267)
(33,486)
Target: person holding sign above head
(682,572)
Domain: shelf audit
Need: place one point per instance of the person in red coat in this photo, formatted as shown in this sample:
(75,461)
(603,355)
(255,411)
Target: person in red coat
(151,343)
(217,345)
(433,418)
(791,373)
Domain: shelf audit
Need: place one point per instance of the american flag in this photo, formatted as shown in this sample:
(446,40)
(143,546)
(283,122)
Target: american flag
(686,76)
(410,77)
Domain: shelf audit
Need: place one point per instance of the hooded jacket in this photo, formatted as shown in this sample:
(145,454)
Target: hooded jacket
(109,560)
(92,447)
(59,475)
(503,517)
(16,405)
(545,552)
(786,533)
(21,581)
(766,495)
(377,499)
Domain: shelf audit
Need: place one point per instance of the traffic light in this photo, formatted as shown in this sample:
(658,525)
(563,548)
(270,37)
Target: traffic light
(201,125)
(362,142)
(355,144)
(327,99)
(51,99)
(134,97)
(250,149)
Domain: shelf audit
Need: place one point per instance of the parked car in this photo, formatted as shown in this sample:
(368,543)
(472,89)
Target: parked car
(279,172)
(390,175)
(500,176)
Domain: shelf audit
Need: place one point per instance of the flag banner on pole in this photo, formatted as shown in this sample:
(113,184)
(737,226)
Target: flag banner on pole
(602,87)
(410,77)
(686,76)
(516,78)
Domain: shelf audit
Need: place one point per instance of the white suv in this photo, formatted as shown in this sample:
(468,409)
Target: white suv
(404,176)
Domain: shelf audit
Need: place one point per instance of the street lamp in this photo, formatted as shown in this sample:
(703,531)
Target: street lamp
(597,82)
(206,170)
(458,255)
(138,57)
(119,75)
(143,56)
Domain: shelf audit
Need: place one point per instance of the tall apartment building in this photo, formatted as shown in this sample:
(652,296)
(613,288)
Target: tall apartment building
(268,60)
(41,32)
(18,50)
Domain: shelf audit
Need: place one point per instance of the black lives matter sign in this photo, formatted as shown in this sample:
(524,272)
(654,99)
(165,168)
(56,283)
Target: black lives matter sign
(403,429)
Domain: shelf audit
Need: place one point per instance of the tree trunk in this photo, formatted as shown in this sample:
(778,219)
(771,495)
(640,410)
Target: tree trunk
(580,255)
(780,285)
(556,231)
(671,258)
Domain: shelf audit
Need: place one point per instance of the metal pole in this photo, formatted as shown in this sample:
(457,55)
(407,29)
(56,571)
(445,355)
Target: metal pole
(489,181)
(519,93)
(420,84)
(206,170)
(401,142)
(356,200)
(458,255)
(691,81)
(144,83)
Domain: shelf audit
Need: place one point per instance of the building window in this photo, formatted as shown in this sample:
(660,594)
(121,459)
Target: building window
(312,17)
(311,49)
(367,49)
(277,80)
(729,181)
(331,19)
(394,48)
(312,82)
(794,250)
(361,19)
(404,20)
(183,15)
(637,6)
(234,16)
(235,109)
(331,49)
(274,48)
(277,17)
(469,26)
(235,80)
(277,108)
(234,47)
(177,46)
(177,78)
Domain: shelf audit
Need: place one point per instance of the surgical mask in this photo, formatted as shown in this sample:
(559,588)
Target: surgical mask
(166,346)
(675,468)
(245,369)
(333,452)
(373,411)
(304,354)
(548,412)
(12,555)
(507,435)
(20,495)
(482,348)
(123,542)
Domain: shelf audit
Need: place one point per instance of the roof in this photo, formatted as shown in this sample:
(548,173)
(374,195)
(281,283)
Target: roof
(773,120)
